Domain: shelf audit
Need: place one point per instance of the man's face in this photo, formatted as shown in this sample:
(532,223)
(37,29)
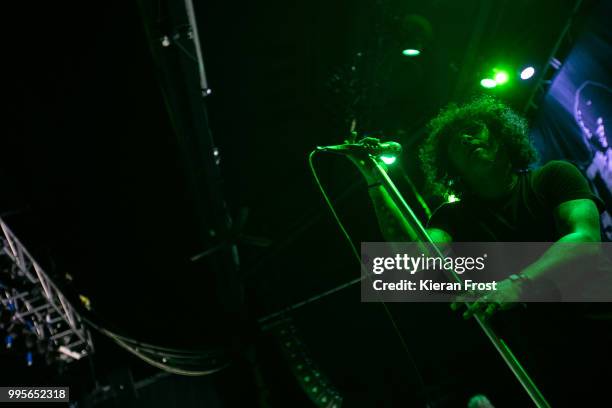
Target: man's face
(472,149)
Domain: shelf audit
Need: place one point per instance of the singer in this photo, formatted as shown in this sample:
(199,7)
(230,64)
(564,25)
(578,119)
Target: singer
(481,152)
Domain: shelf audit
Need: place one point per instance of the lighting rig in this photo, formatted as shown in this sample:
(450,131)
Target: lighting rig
(35,317)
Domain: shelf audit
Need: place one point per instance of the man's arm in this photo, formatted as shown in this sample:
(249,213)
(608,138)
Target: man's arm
(578,222)
(391,222)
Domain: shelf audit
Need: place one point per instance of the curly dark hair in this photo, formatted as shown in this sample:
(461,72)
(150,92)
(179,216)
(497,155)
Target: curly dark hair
(510,128)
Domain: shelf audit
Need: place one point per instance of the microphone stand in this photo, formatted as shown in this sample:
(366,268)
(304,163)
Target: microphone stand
(499,344)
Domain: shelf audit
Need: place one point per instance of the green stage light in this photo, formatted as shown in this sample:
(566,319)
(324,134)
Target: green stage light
(411,52)
(388,159)
(452,198)
(488,83)
(501,77)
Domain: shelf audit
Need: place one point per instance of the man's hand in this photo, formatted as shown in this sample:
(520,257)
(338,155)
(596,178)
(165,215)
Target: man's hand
(507,295)
(365,164)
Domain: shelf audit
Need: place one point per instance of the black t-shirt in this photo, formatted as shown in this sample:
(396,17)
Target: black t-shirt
(525,214)
(542,332)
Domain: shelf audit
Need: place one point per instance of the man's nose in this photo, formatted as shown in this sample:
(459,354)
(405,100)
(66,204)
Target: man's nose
(466,140)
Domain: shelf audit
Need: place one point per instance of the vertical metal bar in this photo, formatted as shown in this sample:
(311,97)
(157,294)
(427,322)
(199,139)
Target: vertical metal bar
(67,312)
(198,49)
(7,235)
(42,282)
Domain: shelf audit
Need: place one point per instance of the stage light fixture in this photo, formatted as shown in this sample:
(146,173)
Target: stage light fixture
(388,159)
(501,77)
(452,198)
(527,73)
(414,33)
(411,52)
(488,83)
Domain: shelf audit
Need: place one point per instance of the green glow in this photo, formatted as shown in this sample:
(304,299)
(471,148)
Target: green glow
(388,159)
(501,77)
(411,52)
(488,83)
(452,198)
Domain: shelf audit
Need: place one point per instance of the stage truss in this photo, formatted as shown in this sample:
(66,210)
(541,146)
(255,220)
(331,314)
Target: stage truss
(35,309)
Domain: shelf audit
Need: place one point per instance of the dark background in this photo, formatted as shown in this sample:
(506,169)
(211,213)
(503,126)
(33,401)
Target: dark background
(94,183)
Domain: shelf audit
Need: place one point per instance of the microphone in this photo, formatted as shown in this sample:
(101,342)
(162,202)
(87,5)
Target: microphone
(370,146)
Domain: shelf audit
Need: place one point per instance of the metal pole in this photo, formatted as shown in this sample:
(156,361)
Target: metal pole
(198,50)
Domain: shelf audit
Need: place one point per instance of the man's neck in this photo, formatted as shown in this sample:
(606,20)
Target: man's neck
(498,183)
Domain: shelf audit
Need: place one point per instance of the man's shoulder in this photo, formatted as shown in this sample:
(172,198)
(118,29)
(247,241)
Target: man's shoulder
(559,181)
(555,170)
(554,167)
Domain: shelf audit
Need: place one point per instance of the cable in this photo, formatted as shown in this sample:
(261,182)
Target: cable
(141,352)
(153,354)
(358,257)
(142,346)
(160,349)
(77,316)
(87,316)
(165,367)
(330,205)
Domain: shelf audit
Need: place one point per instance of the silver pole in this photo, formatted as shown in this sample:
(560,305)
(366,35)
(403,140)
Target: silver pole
(198,50)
